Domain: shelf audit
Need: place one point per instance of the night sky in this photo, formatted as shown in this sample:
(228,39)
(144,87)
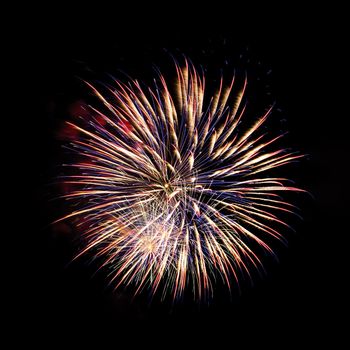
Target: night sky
(291,58)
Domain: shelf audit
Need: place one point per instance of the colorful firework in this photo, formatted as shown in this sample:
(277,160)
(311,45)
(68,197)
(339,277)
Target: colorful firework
(172,194)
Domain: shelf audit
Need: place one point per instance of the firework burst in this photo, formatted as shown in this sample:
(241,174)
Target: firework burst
(171,193)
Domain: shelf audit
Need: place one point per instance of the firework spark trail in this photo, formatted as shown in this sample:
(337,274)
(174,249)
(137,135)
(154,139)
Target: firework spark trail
(172,193)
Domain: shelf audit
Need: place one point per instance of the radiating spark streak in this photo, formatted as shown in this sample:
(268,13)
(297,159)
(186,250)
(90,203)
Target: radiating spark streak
(172,193)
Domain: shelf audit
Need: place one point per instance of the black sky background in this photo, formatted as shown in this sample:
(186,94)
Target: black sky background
(302,295)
